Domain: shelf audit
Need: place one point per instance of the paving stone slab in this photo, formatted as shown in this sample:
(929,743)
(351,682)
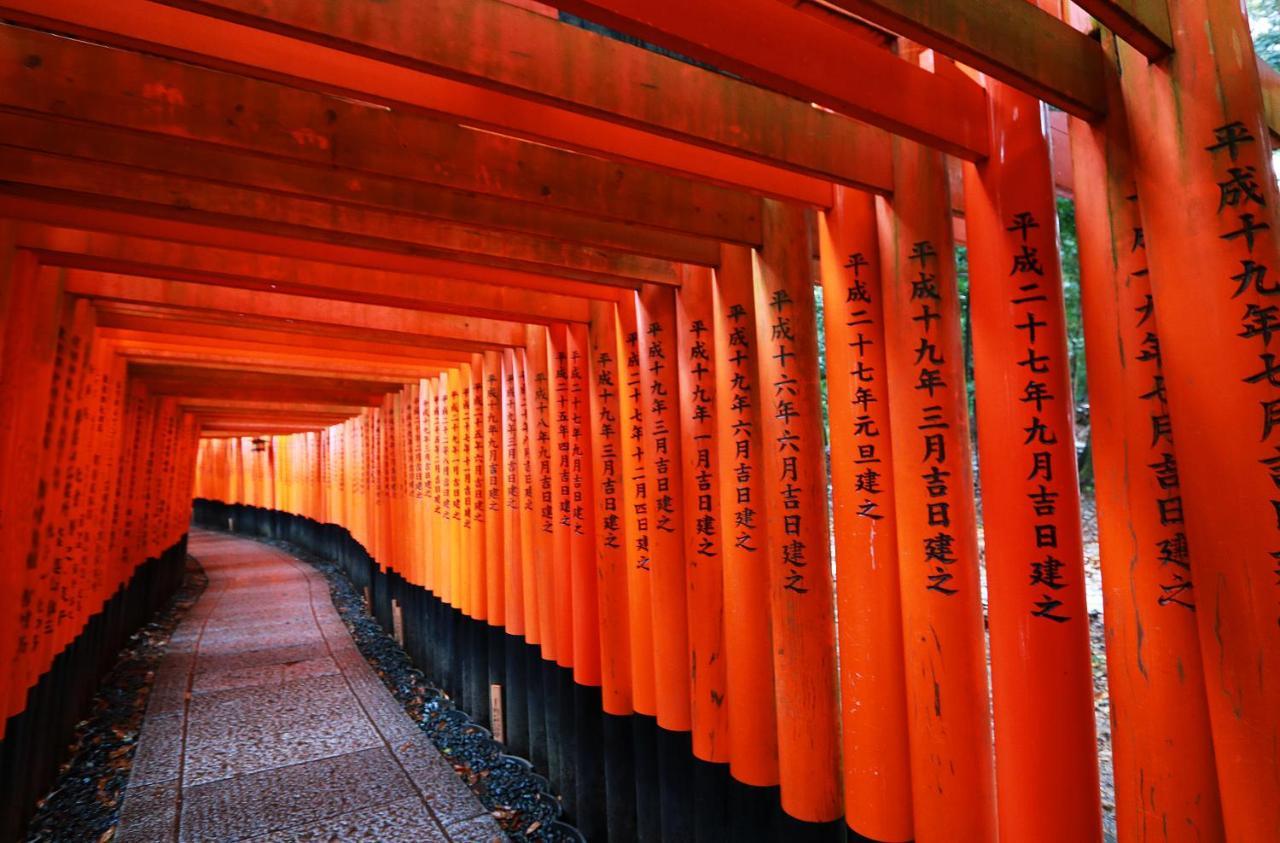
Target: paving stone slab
(266,723)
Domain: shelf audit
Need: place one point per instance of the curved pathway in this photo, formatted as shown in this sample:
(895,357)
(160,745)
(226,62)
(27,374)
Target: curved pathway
(266,723)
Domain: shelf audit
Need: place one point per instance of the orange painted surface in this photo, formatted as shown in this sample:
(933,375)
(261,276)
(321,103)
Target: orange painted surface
(740,396)
(948,715)
(704,515)
(876,760)
(605,364)
(1162,746)
(1208,200)
(1041,672)
(803,610)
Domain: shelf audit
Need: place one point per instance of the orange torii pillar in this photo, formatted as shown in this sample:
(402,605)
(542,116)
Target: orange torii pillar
(607,425)
(495,600)
(640,496)
(803,612)
(515,704)
(748,657)
(542,662)
(948,715)
(1041,672)
(587,623)
(877,766)
(1208,201)
(556,505)
(1161,744)
(703,546)
(660,375)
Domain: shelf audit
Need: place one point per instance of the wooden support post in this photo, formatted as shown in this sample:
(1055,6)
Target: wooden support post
(659,400)
(1161,742)
(606,425)
(513,584)
(495,532)
(556,499)
(795,502)
(588,637)
(1208,201)
(877,765)
(740,396)
(949,721)
(1041,672)
(638,507)
(703,514)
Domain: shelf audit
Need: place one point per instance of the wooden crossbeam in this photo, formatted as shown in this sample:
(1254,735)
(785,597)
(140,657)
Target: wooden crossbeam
(1010,40)
(66,210)
(349,316)
(1143,23)
(226,267)
(201,108)
(161,196)
(806,57)
(696,137)
(228,327)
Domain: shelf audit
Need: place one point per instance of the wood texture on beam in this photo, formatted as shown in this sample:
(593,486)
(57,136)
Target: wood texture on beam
(163,197)
(1009,40)
(246,270)
(203,40)
(497,218)
(1143,23)
(55,210)
(290,309)
(51,75)
(803,56)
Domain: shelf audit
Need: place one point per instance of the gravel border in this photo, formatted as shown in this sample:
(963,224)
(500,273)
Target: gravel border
(84,804)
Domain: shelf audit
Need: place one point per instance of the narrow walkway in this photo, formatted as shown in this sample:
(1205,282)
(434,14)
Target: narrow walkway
(266,723)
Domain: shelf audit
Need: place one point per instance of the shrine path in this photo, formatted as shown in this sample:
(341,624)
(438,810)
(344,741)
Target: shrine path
(266,723)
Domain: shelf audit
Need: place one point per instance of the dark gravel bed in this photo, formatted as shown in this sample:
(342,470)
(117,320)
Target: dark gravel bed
(522,801)
(84,804)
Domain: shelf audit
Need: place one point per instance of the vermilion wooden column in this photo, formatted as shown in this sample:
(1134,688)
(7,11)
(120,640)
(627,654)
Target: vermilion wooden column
(606,427)
(495,535)
(949,722)
(1162,748)
(1208,202)
(557,501)
(795,503)
(703,514)
(539,426)
(638,510)
(529,563)
(664,470)
(588,636)
(753,727)
(1041,672)
(477,485)
(877,766)
(513,587)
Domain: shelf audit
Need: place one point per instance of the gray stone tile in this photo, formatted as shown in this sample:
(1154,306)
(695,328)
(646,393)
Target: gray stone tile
(159,754)
(247,729)
(267,674)
(482,829)
(149,814)
(220,657)
(274,800)
(402,821)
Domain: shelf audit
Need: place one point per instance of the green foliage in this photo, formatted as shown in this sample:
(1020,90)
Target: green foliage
(1264,21)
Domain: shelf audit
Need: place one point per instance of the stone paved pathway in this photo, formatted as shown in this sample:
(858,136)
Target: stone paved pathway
(266,723)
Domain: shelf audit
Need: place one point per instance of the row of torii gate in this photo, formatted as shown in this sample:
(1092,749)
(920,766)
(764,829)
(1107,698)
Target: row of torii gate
(531,312)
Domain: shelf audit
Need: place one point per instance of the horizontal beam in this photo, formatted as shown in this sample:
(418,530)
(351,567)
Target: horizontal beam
(799,54)
(448,215)
(223,327)
(1010,40)
(201,108)
(694,145)
(351,317)
(1143,23)
(65,209)
(164,197)
(246,270)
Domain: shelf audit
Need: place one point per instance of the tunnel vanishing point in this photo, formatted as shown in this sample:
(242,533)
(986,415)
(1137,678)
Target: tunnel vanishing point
(619,351)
